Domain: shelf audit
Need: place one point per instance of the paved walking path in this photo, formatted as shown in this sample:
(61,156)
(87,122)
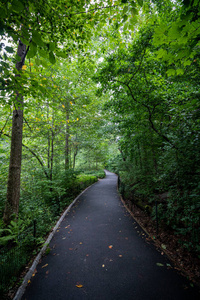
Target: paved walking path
(101,253)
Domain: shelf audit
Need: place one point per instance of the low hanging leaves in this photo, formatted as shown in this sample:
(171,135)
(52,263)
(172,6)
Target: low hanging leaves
(52,58)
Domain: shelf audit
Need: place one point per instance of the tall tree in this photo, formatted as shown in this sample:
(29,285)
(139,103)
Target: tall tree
(39,30)
(13,187)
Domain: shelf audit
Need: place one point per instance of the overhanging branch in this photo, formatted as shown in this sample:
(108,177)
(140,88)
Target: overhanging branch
(35,155)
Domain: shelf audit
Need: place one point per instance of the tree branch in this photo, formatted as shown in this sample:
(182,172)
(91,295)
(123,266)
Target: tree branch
(1,132)
(35,155)
(150,117)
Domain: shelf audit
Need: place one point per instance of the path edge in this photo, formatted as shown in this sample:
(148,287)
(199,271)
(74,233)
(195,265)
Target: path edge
(30,272)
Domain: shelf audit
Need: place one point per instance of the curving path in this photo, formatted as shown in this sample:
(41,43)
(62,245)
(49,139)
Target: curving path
(100,252)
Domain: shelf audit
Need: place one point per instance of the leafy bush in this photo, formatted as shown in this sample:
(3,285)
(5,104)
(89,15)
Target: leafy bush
(97,173)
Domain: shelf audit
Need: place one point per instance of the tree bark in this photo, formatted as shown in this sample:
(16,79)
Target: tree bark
(52,155)
(13,186)
(67,139)
(49,141)
(75,154)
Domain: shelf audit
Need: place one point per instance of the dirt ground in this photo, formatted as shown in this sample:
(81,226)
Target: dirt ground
(184,261)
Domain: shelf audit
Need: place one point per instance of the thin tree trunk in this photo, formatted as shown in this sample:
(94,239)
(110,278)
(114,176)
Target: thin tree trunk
(67,139)
(49,141)
(13,186)
(75,154)
(140,156)
(52,156)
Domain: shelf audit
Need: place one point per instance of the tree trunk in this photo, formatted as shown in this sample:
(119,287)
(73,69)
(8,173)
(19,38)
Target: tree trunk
(67,140)
(13,186)
(49,140)
(52,155)
(75,154)
(140,156)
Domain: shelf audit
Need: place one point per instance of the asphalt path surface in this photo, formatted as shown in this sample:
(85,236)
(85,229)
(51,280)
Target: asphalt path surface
(100,252)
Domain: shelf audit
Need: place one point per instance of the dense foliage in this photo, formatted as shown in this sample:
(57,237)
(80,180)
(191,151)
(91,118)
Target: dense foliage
(154,106)
(111,84)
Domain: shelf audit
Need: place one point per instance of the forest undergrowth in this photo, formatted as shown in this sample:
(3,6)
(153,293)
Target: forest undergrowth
(173,240)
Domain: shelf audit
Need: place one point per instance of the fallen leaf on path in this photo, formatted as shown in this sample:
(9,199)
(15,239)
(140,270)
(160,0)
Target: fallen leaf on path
(120,255)
(29,281)
(87,254)
(103,266)
(70,249)
(58,230)
(160,265)
(79,286)
(80,243)
(163,246)
(67,226)
(33,275)
(64,238)
(110,247)
(47,272)
(45,266)
(126,238)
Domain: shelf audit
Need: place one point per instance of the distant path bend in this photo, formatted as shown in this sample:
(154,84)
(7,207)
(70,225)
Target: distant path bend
(101,253)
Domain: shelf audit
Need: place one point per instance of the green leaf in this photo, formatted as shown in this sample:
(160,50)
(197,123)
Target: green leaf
(134,11)
(133,21)
(125,9)
(171,72)
(52,46)
(140,2)
(179,71)
(17,6)
(125,26)
(42,53)
(61,54)
(32,50)
(4,240)
(52,58)
(9,49)
(44,63)
(36,37)
(161,53)
(125,18)
(174,32)
(187,63)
